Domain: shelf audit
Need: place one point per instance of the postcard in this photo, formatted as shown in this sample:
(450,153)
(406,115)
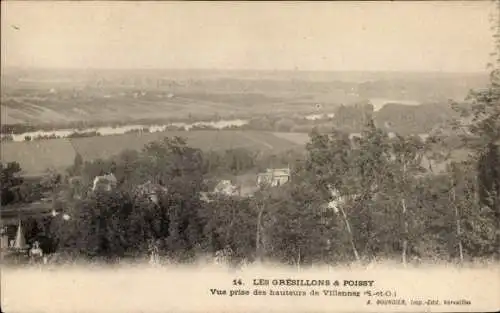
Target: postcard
(232,156)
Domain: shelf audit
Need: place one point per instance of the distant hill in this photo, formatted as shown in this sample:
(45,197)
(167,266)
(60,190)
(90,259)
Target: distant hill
(214,74)
(407,119)
(38,96)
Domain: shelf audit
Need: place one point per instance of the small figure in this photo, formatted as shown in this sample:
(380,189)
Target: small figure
(153,252)
(36,253)
(224,256)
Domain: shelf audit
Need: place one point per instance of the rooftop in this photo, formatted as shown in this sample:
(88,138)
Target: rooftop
(277,172)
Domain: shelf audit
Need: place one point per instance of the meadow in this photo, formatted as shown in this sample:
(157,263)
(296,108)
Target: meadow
(58,154)
(35,157)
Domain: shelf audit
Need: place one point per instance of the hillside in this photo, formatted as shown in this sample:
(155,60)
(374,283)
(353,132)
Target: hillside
(416,119)
(58,97)
(36,156)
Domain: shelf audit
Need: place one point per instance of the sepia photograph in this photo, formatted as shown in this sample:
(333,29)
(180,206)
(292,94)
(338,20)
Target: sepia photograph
(239,156)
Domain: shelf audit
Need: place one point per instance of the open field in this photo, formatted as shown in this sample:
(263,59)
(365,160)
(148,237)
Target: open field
(142,288)
(36,156)
(59,97)
(130,108)
(298,138)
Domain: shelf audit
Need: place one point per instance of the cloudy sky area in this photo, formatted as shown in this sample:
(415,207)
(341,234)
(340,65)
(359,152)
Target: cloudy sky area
(346,36)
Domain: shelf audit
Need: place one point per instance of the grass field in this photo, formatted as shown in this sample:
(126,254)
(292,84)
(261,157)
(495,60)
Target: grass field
(142,288)
(36,156)
(106,146)
(58,154)
(127,105)
(298,138)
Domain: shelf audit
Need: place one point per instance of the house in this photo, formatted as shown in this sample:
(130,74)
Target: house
(151,191)
(4,240)
(337,201)
(205,197)
(107,182)
(274,177)
(226,187)
(237,186)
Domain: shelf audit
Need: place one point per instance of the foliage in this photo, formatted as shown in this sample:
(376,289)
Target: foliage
(10,182)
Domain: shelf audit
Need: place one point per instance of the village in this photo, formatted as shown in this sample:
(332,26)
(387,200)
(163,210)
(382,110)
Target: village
(13,238)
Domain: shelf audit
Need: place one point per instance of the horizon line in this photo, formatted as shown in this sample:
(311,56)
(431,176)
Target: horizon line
(485,71)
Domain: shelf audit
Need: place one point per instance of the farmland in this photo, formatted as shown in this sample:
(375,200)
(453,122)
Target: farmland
(107,146)
(36,156)
(58,98)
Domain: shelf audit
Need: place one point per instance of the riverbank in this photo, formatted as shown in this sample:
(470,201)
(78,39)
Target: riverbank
(124,129)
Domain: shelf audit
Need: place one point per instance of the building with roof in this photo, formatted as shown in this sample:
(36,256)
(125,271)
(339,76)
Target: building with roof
(106,182)
(13,241)
(226,187)
(274,177)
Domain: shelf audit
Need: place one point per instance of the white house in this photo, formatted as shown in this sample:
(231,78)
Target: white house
(274,177)
(226,187)
(337,201)
(107,181)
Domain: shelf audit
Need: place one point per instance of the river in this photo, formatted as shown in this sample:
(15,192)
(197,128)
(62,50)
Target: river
(106,131)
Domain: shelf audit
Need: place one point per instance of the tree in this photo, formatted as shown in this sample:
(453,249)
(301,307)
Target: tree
(238,160)
(329,166)
(76,168)
(172,161)
(229,221)
(482,136)
(370,165)
(454,172)
(98,226)
(10,182)
(291,227)
(407,160)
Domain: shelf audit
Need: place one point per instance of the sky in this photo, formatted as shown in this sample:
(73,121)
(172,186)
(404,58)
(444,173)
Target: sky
(328,36)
